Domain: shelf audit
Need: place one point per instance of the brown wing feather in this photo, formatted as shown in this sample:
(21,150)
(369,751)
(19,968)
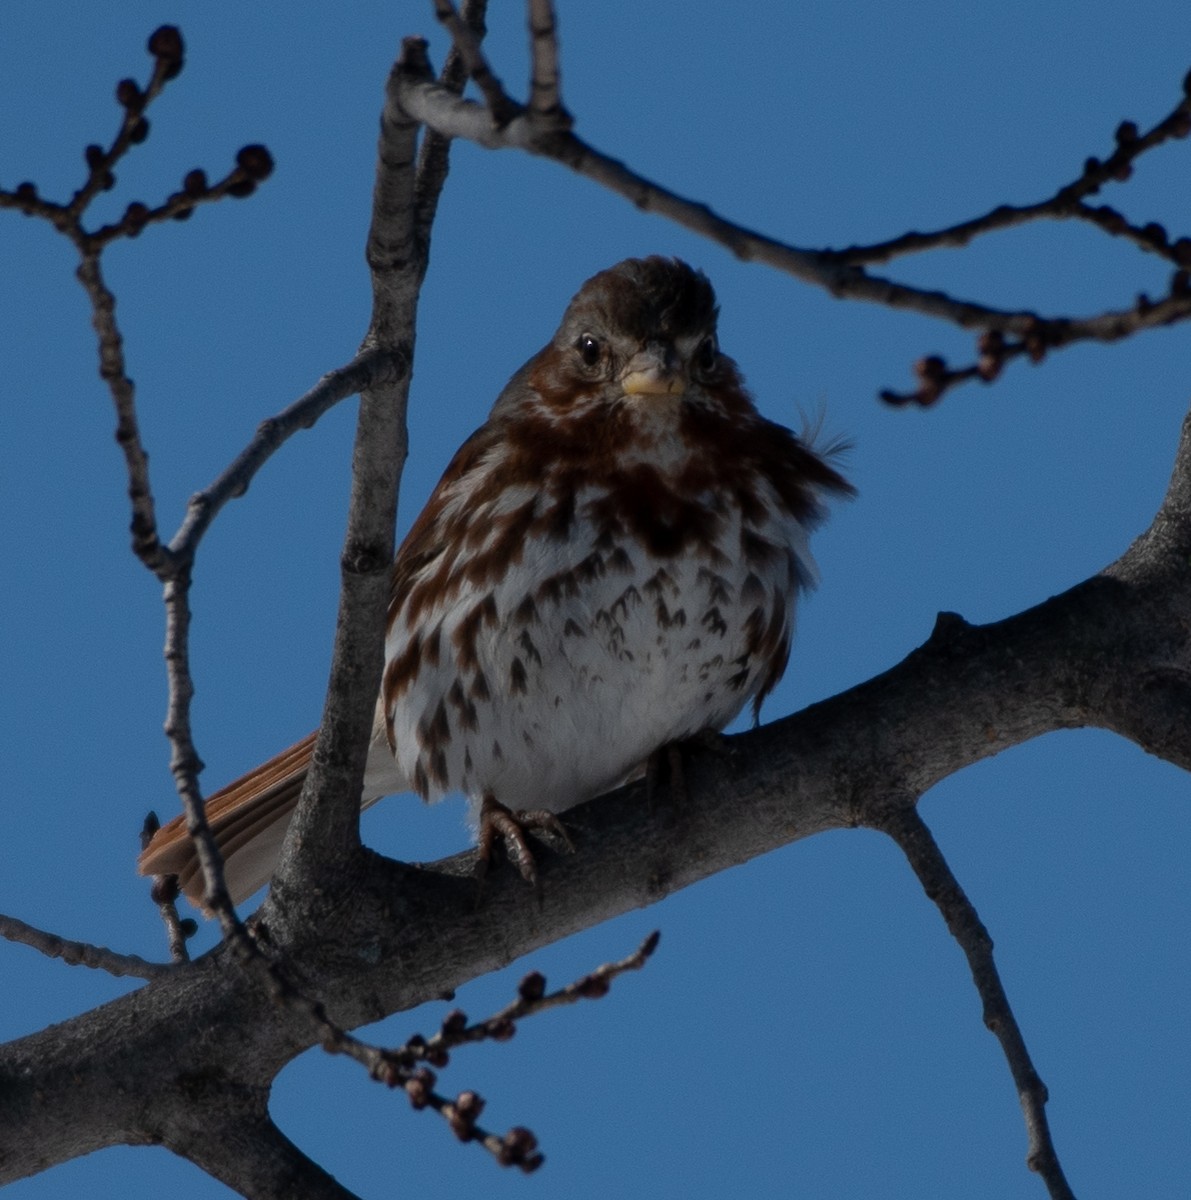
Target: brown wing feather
(424,541)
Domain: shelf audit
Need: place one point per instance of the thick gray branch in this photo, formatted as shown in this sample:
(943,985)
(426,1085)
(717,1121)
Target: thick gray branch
(251,1155)
(380,937)
(326,824)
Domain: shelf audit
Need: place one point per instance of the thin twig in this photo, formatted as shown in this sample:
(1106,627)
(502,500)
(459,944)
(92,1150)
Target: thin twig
(434,152)
(502,106)
(80,954)
(253,164)
(461,118)
(532,998)
(1067,201)
(504,124)
(367,369)
(165,896)
(1038,337)
(185,763)
(903,824)
(1150,237)
(545,96)
(146,544)
(399,1067)
(169,55)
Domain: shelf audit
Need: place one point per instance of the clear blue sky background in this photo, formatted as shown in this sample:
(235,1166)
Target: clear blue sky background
(807,1028)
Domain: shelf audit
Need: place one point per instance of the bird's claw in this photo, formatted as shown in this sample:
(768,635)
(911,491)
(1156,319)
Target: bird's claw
(499,823)
(667,764)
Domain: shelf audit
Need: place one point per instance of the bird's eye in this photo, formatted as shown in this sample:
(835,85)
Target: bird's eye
(706,355)
(589,349)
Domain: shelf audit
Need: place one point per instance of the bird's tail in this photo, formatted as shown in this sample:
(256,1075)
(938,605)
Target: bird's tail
(248,819)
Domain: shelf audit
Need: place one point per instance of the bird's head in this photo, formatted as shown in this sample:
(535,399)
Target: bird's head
(636,334)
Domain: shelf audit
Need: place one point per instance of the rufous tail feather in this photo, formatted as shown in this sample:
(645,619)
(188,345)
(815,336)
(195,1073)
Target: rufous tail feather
(248,820)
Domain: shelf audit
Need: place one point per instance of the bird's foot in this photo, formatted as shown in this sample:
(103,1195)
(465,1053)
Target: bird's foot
(666,766)
(508,827)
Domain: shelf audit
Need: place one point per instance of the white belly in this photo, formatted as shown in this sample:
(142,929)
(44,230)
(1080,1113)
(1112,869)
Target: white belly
(586,655)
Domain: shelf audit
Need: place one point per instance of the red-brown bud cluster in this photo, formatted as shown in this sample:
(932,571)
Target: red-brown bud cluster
(931,369)
(1126,133)
(164,889)
(136,216)
(1154,233)
(253,164)
(991,349)
(519,1149)
(419,1086)
(129,95)
(165,44)
(500,1029)
(255,161)
(464,1114)
(1033,342)
(532,987)
(592,987)
(454,1023)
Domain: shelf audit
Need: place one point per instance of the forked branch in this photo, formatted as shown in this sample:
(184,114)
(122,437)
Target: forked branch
(543,127)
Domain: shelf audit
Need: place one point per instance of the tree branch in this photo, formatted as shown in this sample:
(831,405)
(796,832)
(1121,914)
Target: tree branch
(466,40)
(1114,651)
(244,1149)
(405,935)
(1070,200)
(369,368)
(165,896)
(545,78)
(79,954)
(324,833)
(433,154)
(543,128)
(903,824)
(827,269)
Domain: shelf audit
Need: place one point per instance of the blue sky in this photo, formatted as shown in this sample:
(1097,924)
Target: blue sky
(807,1027)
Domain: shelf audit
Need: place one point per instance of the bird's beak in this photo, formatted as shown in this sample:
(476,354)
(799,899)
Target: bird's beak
(654,371)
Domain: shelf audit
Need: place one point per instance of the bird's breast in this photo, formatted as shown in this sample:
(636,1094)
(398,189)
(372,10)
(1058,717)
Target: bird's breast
(568,633)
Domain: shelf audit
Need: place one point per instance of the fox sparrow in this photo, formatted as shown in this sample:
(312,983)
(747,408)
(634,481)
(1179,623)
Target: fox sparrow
(607,567)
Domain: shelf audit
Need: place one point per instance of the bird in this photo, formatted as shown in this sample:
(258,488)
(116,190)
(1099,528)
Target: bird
(607,569)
